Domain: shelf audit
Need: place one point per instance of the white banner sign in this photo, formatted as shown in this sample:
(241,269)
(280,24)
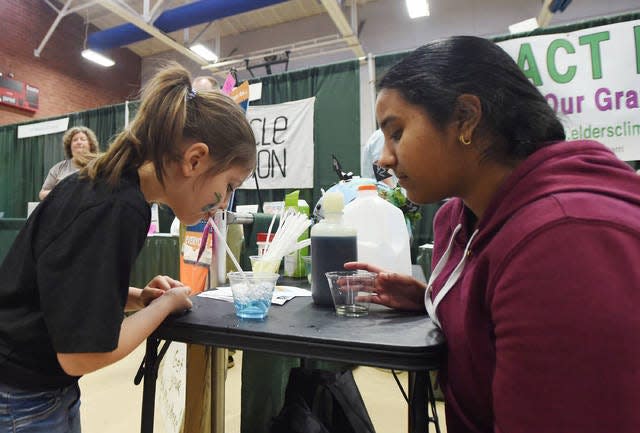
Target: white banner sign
(43,128)
(591,77)
(284,135)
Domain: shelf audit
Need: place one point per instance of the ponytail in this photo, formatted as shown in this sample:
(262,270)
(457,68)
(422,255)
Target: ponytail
(153,134)
(171,112)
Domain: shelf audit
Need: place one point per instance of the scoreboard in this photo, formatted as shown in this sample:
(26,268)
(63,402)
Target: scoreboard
(17,94)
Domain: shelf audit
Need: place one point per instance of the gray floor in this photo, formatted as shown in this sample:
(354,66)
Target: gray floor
(111,403)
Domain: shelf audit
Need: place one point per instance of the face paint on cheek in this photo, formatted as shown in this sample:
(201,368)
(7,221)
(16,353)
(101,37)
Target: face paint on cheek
(212,206)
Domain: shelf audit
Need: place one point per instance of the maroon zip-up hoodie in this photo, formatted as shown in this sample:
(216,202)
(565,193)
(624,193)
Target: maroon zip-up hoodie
(543,325)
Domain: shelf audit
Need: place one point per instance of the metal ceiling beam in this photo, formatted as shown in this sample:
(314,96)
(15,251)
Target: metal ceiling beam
(297,50)
(61,14)
(140,22)
(334,11)
(155,12)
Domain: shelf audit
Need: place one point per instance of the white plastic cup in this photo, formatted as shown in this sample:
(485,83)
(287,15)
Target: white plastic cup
(263,264)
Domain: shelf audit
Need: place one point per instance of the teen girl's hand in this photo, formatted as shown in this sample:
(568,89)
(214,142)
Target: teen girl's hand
(401,292)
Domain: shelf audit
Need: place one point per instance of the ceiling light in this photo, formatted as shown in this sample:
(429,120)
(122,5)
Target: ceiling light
(524,26)
(97,58)
(418,8)
(204,52)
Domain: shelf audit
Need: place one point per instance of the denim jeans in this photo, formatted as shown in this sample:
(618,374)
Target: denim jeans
(55,411)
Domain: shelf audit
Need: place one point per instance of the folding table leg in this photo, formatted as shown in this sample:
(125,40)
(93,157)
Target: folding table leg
(431,396)
(149,387)
(418,416)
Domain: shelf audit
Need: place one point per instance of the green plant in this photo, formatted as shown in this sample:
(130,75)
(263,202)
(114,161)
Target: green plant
(396,197)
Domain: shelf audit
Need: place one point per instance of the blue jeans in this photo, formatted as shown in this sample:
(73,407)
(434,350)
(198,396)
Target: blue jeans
(55,411)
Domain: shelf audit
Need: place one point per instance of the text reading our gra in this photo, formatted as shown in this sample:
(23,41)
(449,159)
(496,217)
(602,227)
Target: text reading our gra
(564,59)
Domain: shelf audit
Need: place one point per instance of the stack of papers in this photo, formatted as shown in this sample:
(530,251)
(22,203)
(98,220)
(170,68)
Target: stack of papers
(281,294)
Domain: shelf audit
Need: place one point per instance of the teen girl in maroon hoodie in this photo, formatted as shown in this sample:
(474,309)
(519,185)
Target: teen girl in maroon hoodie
(536,278)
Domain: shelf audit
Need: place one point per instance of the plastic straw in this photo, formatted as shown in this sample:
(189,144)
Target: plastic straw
(226,246)
(273,219)
(285,241)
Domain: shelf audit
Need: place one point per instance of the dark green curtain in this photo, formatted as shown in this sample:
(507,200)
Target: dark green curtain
(336,122)
(106,122)
(23,168)
(24,163)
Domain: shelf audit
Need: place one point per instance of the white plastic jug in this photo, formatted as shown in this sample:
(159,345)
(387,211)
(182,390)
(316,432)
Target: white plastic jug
(383,238)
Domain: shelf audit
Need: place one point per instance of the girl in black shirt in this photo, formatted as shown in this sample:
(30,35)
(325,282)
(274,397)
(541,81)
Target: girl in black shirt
(64,283)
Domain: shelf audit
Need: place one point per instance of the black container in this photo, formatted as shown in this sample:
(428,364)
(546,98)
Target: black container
(329,253)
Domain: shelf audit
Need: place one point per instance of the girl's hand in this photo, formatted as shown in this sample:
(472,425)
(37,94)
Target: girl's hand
(179,298)
(401,292)
(157,287)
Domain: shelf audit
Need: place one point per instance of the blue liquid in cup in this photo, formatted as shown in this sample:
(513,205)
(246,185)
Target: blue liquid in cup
(253,309)
(252,293)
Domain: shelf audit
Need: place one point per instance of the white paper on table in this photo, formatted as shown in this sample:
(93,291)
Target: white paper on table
(281,294)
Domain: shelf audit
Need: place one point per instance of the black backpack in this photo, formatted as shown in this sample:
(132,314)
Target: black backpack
(319,401)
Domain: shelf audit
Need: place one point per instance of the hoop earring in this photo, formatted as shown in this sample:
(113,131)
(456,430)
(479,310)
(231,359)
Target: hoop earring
(464,140)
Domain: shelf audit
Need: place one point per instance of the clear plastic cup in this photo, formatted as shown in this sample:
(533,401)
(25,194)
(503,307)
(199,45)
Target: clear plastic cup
(252,293)
(264,264)
(351,291)
(307,267)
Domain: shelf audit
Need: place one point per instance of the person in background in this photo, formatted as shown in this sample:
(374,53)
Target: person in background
(64,284)
(370,155)
(205,82)
(80,144)
(536,283)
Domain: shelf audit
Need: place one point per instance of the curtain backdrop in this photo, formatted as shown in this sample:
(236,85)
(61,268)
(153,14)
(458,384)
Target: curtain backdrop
(24,163)
(336,123)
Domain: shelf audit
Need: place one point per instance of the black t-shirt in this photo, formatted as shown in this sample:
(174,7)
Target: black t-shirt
(64,282)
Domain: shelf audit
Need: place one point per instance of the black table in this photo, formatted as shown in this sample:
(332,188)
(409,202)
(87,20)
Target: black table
(385,338)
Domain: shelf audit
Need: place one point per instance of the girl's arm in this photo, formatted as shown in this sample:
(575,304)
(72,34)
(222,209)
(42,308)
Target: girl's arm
(135,329)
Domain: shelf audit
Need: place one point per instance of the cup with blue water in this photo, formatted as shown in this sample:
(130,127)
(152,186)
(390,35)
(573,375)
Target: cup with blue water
(252,292)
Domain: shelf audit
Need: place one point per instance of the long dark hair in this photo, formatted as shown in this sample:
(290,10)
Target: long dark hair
(171,112)
(516,118)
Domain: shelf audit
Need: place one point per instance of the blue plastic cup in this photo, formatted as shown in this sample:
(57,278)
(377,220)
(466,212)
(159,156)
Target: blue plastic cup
(252,292)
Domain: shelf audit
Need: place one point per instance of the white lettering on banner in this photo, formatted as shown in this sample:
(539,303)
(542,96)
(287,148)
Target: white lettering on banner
(591,78)
(284,140)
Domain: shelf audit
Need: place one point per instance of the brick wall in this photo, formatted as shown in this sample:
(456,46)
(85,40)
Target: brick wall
(67,82)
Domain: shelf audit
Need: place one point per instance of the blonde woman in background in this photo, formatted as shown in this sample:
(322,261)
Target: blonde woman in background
(79,143)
